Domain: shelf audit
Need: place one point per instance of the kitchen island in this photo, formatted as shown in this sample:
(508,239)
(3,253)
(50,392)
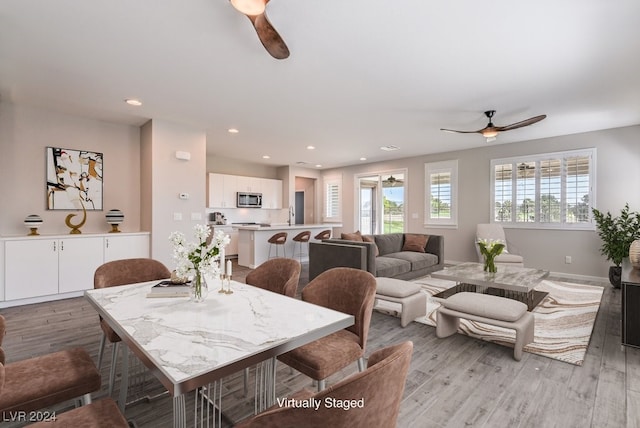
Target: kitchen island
(253,248)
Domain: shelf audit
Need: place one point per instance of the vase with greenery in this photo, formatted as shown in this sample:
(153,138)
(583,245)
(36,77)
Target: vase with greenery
(490,250)
(617,234)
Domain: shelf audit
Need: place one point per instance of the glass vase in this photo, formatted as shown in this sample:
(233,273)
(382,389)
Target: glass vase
(489,264)
(199,288)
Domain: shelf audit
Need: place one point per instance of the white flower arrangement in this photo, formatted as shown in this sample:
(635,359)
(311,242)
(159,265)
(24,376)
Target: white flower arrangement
(194,258)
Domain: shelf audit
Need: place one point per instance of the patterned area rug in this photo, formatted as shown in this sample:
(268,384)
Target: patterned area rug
(564,319)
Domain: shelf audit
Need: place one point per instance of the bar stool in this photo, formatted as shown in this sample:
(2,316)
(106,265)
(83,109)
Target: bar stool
(279,238)
(325,234)
(300,239)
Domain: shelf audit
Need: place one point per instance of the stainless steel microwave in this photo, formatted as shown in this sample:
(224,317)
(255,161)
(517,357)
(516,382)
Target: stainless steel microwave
(249,200)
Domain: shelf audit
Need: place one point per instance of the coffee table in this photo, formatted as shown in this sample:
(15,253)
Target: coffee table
(511,282)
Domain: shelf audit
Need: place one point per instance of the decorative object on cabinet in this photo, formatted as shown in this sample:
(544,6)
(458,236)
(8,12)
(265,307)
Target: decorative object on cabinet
(33,222)
(74,178)
(114,218)
(617,234)
(75,228)
(634,254)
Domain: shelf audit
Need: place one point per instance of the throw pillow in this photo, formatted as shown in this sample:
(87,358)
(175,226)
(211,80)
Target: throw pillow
(369,238)
(356,236)
(415,243)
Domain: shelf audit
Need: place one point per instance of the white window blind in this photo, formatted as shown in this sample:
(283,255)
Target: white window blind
(332,201)
(441,180)
(553,190)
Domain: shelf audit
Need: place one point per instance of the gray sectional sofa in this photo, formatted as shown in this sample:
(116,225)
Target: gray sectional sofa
(391,261)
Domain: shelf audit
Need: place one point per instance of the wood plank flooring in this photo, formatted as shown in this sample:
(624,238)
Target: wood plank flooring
(453,382)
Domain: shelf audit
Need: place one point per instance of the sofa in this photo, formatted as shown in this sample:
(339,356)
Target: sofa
(391,255)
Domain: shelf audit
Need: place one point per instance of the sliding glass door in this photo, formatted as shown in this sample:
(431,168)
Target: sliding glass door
(381,203)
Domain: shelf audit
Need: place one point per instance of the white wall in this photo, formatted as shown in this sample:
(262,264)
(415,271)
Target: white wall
(618,179)
(25,132)
(166,177)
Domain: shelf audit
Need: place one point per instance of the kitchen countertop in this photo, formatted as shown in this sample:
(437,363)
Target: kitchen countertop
(285,226)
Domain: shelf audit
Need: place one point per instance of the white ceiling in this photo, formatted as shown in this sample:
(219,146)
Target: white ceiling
(362,73)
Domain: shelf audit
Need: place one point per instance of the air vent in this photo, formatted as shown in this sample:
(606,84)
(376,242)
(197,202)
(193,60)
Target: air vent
(302,163)
(389,148)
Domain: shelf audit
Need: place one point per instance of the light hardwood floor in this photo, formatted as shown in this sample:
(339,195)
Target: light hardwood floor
(452,382)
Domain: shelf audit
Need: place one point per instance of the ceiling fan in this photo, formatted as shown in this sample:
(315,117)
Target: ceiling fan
(392,182)
(271,40)
(491,131)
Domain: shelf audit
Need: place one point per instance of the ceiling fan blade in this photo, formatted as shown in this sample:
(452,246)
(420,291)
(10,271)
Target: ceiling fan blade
(522,123)
(460,132)
(269,37)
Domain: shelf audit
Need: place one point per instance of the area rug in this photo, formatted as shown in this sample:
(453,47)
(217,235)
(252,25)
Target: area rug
(563,320)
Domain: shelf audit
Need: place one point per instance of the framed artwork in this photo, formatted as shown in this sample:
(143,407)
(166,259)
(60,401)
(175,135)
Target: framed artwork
(74,179)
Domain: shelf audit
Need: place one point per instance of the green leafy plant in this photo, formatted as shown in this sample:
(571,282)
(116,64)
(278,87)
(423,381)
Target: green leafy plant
(617,233)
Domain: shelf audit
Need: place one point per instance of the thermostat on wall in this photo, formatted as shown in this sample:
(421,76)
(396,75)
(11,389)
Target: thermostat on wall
(183,155)
(183,196)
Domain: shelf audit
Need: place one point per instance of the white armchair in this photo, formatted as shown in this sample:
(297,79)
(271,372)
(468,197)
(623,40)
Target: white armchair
(495,232)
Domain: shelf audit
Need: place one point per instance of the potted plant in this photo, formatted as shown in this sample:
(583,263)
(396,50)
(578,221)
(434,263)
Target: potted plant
(617,234)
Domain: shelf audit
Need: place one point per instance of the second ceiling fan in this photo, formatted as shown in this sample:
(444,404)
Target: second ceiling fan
(271,40)
(491,131)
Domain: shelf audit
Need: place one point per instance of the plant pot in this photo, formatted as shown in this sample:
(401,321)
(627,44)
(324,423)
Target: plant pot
(615,276)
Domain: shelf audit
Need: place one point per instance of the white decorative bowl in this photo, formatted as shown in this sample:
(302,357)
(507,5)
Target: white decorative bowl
(114,218)
(33,222)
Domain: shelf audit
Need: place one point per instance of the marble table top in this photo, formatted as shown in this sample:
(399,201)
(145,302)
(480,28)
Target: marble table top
(507,277)
(187,344)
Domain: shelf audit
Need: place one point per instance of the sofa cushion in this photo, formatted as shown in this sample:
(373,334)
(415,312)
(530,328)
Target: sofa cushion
(395,287)
(413,242)
(355,236)
(486,305)
(389,243)
(390,267)
(418,260)
(370,238)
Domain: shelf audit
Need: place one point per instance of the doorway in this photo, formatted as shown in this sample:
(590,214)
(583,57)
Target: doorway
(299,208)
(381,204)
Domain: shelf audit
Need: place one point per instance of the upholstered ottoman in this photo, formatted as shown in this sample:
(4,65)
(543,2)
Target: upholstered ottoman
(407,294)
(487,309)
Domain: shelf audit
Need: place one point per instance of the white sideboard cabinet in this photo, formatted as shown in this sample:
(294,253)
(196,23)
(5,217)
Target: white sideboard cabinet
(41,268)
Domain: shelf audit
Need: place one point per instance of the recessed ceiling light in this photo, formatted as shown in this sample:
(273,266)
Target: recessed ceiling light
(389,148)
(311,147)
(266,157)
(133,102)
(318,165)
(363,159)
(232,131)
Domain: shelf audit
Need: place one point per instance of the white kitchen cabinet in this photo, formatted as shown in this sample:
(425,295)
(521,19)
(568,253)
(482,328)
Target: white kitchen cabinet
(41,268)
(232,248)
(129,246)
(248,184)
(271,193)
(221,190)
(78,260)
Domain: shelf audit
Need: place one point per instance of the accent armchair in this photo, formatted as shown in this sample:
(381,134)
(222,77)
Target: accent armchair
(495,232)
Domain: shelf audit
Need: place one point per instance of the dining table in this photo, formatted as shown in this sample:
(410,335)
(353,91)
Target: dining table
(191,346)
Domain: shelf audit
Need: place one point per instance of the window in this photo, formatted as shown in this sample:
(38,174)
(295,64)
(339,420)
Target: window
(441,194)
(381,202)
(552,190)
(332,198)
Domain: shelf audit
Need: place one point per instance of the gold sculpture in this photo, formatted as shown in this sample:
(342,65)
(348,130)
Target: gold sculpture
(75,228)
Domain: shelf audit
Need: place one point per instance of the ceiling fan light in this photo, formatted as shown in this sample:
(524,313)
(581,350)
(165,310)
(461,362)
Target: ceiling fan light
(489,133)
(249,7)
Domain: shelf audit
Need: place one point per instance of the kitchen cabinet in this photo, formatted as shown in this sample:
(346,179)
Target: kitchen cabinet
(222,190)
(271,194)
(43,268)
(232,248)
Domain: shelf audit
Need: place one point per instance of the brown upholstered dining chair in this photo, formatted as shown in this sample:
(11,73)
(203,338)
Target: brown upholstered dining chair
(121,272)
(347,290)
(378,390)
(279,275)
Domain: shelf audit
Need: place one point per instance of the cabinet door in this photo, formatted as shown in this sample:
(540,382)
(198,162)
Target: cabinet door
(249,184)
(230,189)
(120,247)
(31,268)
(78,260)
(215,185)
(272,194)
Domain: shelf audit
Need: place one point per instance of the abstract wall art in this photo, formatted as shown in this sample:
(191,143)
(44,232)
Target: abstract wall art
(74,179)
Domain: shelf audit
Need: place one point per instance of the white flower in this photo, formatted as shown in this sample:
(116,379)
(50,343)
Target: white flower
(193,257)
